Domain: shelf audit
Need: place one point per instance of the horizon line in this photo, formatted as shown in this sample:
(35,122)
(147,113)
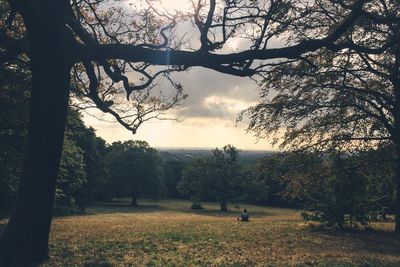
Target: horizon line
(209,148)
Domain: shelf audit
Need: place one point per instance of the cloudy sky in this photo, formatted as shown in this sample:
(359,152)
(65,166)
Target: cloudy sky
(207,120)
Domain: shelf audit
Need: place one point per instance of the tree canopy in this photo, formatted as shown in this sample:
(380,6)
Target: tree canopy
(214,178)
(135,171)
(115,49)
(343,99)
(340,98)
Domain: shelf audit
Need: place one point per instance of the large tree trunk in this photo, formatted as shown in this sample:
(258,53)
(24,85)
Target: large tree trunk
(395,79)
(25,240)
(397,179)
(396,136)
(223,206)
(134,200)
(223,202)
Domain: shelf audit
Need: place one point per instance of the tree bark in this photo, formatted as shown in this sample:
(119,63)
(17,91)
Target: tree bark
(134,200)
(397,179)
(223,206)
(395,79)
(24,242)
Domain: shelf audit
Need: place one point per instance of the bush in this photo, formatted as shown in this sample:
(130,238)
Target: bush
(196,206)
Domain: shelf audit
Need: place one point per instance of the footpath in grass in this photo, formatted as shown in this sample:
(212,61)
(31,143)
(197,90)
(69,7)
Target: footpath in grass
(168,233)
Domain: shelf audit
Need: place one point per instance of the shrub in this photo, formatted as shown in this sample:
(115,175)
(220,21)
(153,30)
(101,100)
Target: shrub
(196,206)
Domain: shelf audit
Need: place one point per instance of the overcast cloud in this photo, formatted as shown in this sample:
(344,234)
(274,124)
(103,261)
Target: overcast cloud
(212,94)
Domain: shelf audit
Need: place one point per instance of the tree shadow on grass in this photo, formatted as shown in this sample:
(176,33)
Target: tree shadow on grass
(122,207)
(97,263)
(229,213)
(371,241)
(176,206)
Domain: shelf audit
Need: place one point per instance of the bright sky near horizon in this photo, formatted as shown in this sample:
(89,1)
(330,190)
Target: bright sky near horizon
(208,119)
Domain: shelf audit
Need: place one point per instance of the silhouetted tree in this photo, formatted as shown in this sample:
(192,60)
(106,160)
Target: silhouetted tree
(71,176)
(196,180)
(14,98)
(173,174)
(263,181)
(93,152)
(135,170)
(337,188)
(346,98)
(226,174)
(215,178)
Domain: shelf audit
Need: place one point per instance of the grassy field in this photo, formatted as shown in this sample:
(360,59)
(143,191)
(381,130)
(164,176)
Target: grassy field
(168,233)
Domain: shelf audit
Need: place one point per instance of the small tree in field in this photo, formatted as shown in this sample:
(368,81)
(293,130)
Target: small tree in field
(265,183)
(135,170)
(226,174)
(214,178)
(196,181)
(173,174)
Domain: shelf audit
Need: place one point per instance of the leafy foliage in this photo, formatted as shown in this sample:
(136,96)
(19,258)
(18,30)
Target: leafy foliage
(135,170)
(82,168)
(341,98)
(196,180)
(215,178)
(102,44)
(93,152)
(264,183)
(173,174)
(336,189)
(71,177)
(226,174)
(13,121)
(196,206)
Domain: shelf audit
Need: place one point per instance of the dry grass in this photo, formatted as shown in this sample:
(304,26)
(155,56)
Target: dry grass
(168,233)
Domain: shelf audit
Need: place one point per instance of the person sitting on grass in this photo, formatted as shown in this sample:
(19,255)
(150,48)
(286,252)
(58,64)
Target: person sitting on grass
(244,217)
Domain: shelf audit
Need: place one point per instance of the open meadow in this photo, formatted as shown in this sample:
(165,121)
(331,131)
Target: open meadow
(168,233)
